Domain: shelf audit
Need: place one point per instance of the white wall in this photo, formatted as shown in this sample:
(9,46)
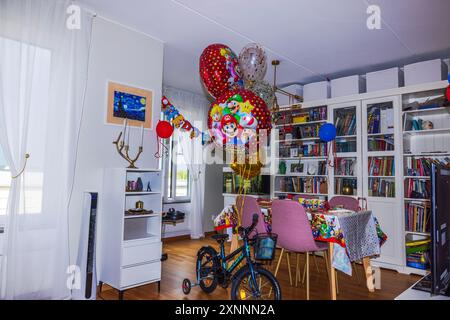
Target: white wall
(125,56)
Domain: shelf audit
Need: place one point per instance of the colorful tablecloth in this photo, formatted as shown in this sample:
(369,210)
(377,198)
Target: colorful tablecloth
(355,235)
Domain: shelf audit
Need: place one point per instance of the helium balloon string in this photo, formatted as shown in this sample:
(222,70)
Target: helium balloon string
(331,150)
(160,152)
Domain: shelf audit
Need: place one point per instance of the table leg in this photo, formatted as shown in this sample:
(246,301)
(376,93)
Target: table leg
(332,272)
(369,274)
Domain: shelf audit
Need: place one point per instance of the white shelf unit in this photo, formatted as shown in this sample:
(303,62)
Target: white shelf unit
(389,211)
(381,130)
(130,245)
(422,144)
(347,159)
(301,169)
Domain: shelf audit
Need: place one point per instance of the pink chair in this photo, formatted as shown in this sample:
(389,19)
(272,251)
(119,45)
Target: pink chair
(290,222)
(249,207)
(345,202)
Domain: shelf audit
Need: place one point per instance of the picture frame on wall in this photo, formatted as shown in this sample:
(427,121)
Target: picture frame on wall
(127,102)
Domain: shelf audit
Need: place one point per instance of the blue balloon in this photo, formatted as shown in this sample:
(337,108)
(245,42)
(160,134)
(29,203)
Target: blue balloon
(327,132)
(448,78)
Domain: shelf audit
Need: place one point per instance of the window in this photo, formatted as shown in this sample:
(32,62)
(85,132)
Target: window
(177,173)
(33,82)
(5,183)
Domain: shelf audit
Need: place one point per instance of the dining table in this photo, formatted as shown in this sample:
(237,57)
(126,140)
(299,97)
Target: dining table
(351,236)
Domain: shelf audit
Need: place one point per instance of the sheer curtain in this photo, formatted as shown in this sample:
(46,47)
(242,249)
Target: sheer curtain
(193,107)
(44,51)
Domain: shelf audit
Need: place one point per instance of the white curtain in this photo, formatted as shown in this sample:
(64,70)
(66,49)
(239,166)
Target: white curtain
(194,108)
(44,51)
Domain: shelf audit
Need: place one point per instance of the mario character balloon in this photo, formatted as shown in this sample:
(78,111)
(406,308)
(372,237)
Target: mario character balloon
(237,117)
(219,69)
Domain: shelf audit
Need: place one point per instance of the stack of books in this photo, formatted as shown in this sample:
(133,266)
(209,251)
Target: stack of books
(417,217)
(417,252)
(382,166)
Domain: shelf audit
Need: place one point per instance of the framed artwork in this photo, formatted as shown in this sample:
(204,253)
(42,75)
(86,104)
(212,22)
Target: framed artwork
(297,167)
(293,152)
(134,104)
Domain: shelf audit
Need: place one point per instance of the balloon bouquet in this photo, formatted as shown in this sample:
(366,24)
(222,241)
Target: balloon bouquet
(239,114)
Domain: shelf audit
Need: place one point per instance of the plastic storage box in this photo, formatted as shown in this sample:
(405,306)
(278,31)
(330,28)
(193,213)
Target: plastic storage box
(347,86)
(384,79)
(425,71)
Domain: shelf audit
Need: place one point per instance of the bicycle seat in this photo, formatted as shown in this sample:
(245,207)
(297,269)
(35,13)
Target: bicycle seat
(220,237)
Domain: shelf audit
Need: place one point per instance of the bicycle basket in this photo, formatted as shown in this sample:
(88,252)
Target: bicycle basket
(265,245)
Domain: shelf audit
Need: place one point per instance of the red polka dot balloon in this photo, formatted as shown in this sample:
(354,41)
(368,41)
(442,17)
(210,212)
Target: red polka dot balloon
(219,69)
(237,118)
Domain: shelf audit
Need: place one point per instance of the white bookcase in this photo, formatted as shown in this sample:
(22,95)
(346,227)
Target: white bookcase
(388,207)
(302,152)
(382,171)
(422,144)
(130,244)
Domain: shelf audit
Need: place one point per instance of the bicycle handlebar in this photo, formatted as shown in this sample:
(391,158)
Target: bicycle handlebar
(246,231)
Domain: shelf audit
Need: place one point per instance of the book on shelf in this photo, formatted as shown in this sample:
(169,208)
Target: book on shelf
(345,123)
(385,143)
(422,166)
(417,217)
(344,166)
(380,119)
(417,189)
(286,117)
(303,184)
(381,166)
(380,187)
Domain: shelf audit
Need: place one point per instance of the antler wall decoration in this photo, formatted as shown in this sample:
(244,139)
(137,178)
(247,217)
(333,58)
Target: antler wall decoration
(123,147)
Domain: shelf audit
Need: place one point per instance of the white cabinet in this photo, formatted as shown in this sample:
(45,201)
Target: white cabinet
(130,241)
(382,170)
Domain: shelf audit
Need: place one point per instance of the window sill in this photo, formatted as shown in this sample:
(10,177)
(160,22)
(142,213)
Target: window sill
(176,201)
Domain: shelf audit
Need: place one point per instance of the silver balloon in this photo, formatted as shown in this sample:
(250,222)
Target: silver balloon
(263,90)
(253,62)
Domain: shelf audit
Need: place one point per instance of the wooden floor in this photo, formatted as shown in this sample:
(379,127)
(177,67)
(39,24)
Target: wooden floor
(181,264)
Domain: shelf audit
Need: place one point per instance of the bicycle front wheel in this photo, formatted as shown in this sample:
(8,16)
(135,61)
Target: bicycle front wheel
(267,286)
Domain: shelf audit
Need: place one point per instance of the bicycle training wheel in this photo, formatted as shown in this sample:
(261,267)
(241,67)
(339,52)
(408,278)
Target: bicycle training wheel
(206,266)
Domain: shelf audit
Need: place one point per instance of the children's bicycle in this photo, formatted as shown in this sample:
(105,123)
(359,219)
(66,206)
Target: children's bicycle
(250,282)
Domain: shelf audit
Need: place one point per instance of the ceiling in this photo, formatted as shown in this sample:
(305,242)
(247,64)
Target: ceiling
(313,39)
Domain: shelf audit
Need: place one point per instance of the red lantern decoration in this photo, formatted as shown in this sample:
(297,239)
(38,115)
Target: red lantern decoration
(237,117)
(164,129)
(219,69)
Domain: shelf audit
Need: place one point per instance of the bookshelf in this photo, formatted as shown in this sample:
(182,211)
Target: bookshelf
(373,139)
(426,139)
(345,177)
(382,170)
(299,166)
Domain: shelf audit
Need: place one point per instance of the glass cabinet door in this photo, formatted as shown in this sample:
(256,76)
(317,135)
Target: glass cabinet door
(346,157)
